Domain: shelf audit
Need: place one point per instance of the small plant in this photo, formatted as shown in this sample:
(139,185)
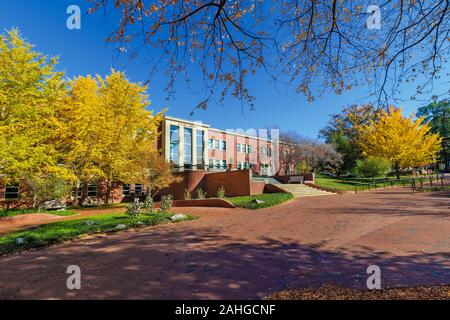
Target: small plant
(134,209)
(166,203)
(221,192)
(201,194)
(148,205)
(90,202)
(372,167)
(187,194)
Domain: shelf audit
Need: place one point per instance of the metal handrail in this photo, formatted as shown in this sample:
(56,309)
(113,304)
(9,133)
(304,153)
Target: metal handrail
(412,181)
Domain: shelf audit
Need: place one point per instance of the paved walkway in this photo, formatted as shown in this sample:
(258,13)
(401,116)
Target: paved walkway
(238,253)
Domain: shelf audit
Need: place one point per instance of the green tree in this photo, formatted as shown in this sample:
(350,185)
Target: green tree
(31,93)
(344,130)
(372,167)
(437,115)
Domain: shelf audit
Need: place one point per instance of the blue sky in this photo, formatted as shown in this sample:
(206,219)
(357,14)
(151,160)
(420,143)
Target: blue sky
(84,51)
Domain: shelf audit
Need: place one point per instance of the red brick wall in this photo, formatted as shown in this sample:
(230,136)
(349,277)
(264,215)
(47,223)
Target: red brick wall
(257,187)
(191,180)
(23,202)
(236,183)
(255,157)
(272,188)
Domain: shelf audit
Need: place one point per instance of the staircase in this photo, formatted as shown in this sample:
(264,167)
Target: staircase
(298,190)
(303,190)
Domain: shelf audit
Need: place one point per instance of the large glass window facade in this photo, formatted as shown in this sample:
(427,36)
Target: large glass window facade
(175,144)
(187,147)
(200,147)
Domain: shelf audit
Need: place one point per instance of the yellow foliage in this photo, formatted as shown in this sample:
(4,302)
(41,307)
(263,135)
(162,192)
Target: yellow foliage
(108,128)
(402,141)
(31,93)
(86,130)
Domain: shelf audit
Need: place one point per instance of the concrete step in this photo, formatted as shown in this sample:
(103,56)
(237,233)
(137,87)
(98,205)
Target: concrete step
(266,180)
(302,190)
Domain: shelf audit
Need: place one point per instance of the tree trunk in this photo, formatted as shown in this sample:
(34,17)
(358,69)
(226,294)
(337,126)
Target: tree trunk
(77,199)
(397,170)
(108,192)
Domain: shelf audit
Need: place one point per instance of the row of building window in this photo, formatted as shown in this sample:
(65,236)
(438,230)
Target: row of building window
(214,144)
(245,148)
(244,165)
(126,189)
(12,191)
(222,164)
(217,164)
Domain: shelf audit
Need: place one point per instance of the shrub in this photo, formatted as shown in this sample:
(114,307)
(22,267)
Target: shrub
(134,209)
(148,205)
(372,167)
(90,202)
(46,188)
(187,194)
(221,192)
(201,194)
(166,203)
(303,166)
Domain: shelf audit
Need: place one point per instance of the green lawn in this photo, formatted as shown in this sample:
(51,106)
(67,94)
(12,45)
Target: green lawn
(348,184)
(435,188)
(15,212)
(269,200)
(67,230)
(335,184)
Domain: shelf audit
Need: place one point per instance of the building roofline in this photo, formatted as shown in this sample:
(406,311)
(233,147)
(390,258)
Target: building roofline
(197,123)
(200,123)
(240,134)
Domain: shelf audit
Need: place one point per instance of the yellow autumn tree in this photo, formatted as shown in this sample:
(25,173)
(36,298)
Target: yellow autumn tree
(31,94)
(108,129)
(402,141)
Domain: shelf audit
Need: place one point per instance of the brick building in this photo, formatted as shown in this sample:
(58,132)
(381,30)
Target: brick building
(199,153)
(191,145)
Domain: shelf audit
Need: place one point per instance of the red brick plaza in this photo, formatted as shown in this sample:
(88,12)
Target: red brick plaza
(238,253)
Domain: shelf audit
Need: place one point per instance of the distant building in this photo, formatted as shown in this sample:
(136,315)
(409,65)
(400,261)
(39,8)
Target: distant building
(192,145)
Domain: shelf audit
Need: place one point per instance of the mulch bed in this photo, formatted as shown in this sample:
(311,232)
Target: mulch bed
(330,292)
